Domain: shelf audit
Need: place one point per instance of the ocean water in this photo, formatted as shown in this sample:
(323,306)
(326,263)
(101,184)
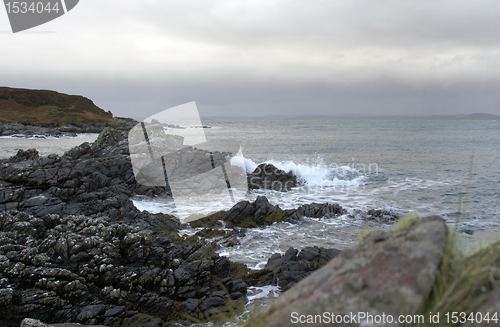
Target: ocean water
(9,145)
(424,167)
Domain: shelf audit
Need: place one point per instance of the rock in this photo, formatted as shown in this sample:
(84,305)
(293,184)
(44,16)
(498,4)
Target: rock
(388,273)
(28,322)
(90,312)
(92,270)
(95,178)
(114,311)
(213,301)
(189,305)
(261,213)
(381,216)
(31,154)
(288,269)
(267,176)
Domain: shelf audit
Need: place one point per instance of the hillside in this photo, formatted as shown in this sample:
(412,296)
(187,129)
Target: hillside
(48,108)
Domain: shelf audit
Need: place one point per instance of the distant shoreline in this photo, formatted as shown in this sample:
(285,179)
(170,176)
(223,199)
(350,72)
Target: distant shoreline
(474,116)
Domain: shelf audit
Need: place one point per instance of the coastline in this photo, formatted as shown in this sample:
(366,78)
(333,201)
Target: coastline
(90,242)
(139,261)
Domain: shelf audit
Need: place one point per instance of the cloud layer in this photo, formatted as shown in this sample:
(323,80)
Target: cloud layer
(266,57)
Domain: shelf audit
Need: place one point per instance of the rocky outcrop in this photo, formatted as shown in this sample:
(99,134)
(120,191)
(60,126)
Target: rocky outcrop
(36,107)
(89,179)
(288,269)
(91,270)
(268,177)
(388,273)
(261,213)
(26,130)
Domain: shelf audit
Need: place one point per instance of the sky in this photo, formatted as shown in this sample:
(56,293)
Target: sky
(256,58)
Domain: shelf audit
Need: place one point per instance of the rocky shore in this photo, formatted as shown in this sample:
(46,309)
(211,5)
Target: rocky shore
(73,247)
(47,131)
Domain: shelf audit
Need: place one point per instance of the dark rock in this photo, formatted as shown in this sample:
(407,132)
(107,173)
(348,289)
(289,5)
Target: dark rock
(261,213)
(114,311)
(213,301)
(189,305)
(267,176)
(155,323)
(239,286)
(381,215)
(93,270)
(90,312)
(22,155)
(288,269)
(89,179)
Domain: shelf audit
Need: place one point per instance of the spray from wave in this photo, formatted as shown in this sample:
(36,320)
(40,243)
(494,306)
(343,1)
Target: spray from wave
(316,175)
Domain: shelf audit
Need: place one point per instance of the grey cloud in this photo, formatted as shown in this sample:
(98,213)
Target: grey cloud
(295,57)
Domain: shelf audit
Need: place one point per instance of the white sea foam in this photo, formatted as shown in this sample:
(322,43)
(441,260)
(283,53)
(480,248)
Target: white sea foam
(316,175)
(262,292)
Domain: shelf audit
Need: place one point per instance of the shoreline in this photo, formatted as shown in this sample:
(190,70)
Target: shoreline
(139,261)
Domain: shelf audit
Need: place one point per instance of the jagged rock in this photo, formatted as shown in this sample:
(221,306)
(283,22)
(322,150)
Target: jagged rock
(267,176)
(92,270)
(89,179)
(288,269)
(31,154)
(388,273)
(381,216)
(261,212)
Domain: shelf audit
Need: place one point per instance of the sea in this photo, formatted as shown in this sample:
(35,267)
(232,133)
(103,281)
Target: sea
(434,167)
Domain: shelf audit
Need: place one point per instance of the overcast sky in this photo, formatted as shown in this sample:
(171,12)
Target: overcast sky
(255,57)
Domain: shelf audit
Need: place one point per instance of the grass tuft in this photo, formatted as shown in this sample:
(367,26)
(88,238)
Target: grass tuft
(406,222)
(464,281)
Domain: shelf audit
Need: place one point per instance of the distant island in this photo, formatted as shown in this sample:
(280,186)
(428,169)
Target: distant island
(474,116)
(49,108)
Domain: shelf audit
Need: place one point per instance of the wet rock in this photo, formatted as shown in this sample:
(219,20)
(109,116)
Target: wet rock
(90,312)
(288,269)
(23,130)
(261,213)
(388,273)
(22,155)
(267,176)
(381,216)
(213,301)
(92,270)
(89,179)
(189,305)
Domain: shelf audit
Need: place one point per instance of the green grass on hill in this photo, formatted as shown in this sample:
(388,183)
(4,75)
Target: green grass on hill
(43,107)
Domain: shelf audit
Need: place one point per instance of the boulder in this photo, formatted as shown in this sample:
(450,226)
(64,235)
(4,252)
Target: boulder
(288,269)
(268,177)
(388,273)
(261,213)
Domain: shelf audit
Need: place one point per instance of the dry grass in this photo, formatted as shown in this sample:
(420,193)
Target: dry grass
(464,281)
